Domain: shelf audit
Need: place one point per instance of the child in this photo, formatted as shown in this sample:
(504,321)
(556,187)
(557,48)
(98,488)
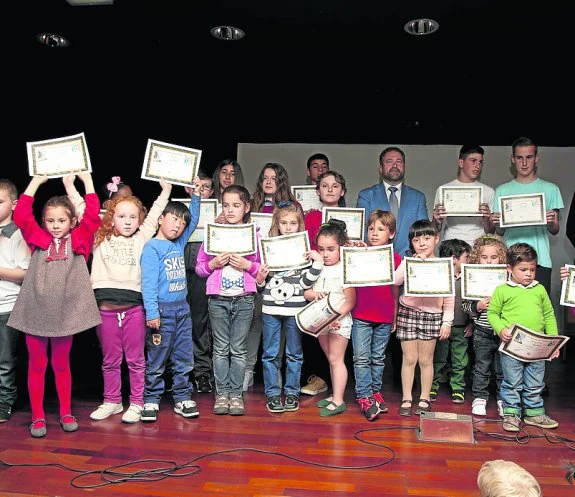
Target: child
(501,478)
(420,322)
(228,172)
(14,261)
(231,306)
(331,237)
(56,300)
(456,344)
(169,333)
(117,282)
(283,298)
(524,301)
(487,249)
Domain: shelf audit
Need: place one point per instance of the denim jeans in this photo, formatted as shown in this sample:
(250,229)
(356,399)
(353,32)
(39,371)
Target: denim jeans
(485,345)
(170,345)
(271,357)
(8,343)
(369,343)
(230,318)
(522,381)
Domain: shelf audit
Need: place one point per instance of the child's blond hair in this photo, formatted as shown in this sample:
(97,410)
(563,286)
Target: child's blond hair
(384,217)
(501,478)
(487,241)
(280,211)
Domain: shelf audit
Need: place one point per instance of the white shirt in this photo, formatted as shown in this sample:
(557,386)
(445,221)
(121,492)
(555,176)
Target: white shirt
(397,193)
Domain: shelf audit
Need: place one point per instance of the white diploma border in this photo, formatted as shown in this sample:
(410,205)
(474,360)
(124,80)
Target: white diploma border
(554,342)
(255,216)
(336,316)
(567,288)
(306,188)
(415,261)
(475,212)
(266,241)
(350,282)
(509,198)
(210,203)
(468,269)
(148,174)
(209,229)
(33,147)
(331,213)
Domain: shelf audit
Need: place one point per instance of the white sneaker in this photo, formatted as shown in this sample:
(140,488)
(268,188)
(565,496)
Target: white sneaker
(500,408)
(478,407)
(106,410)
(133,414)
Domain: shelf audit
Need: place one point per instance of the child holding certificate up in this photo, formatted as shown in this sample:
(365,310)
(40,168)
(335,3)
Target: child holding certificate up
(283,297)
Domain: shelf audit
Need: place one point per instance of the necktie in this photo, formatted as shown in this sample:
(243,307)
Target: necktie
(393,204)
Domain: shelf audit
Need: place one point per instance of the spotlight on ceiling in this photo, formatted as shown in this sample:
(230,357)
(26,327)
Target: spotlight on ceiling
(53,41)
(228,33)
(76,3)
(420,27)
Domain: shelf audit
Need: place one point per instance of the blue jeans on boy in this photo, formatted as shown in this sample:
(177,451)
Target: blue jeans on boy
(485,346)
(522,381)
(369,343)
(271,357)
(8,343)
(171,344)
(230,318)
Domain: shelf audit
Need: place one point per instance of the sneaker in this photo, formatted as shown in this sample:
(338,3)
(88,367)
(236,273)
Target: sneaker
(68,423)
(500,408)
(291,403)
(203,383)
(314,386)
(369,408)
(433,396)
(274,404)
(236,406)
(381,405)
(187,408)
(248,380)
(38,428)
(222,405)
(542,421)
(150,412)
(478,408)
(132,414)
(511,423)
(106,410)
(5,412)
(458,397)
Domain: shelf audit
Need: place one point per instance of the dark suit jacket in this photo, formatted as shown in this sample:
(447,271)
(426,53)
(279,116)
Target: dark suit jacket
(413,207)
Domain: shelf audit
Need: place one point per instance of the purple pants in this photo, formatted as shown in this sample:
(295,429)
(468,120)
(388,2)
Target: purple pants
(123,332)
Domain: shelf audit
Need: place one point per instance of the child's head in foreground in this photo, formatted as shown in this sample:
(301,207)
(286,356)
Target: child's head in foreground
(501,478)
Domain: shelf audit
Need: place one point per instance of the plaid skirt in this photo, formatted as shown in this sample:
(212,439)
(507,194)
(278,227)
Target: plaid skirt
(416,325)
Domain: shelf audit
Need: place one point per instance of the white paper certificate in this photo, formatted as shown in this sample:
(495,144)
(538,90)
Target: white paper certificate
(461,200)
(176,164)
(353,219)
(527,346)
(568,288)
(522,210)
(262,221)
(58,157)
(429,277)
(208,213)
(367,266)
(281,253)
(307,196)
(317,315)
(237,239)
(480,280)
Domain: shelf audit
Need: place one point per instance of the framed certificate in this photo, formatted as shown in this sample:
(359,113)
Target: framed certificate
(281,253)
(461,200)
(262,221)
(568,288)
(208,214)
(367,266)
(307,196)
(527,346)
(237,239)
(58,157)
(176,164)
(522,210)
(353,219)
(480,280)
(316,316)
(429,277)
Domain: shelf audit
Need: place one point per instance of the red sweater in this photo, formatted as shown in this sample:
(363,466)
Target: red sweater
(312,223)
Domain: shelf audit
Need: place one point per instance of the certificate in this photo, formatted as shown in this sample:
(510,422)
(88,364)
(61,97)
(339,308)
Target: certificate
(176,164)
(58,157)
(307,196)
(317,315)
(568,288)
(281,253)
(262,221)
(208,213)
(461,200)
(429,277)
(480,280)
(353,219)
(371,266)
(237,239)
(522,210)
(527,346)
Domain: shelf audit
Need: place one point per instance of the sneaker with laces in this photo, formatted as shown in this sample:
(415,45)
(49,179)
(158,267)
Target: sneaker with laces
(458,397)
(248,380)
(381,405)
(203,383)
(132,414)
(511,423)
(5,412)
(291,403)
(500,408)
(433,396)
(369,408)
(38,428)
(314,386)
(68,423)
(150,412)
(222,405)
(274,404)
(541,421)
(236,406)
(106,410)
(478,408)
(187,408)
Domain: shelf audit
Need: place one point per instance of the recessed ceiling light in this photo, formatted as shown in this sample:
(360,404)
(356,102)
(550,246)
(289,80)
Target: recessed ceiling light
(54,41)
(76,3)
(228,33)
(420,27)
